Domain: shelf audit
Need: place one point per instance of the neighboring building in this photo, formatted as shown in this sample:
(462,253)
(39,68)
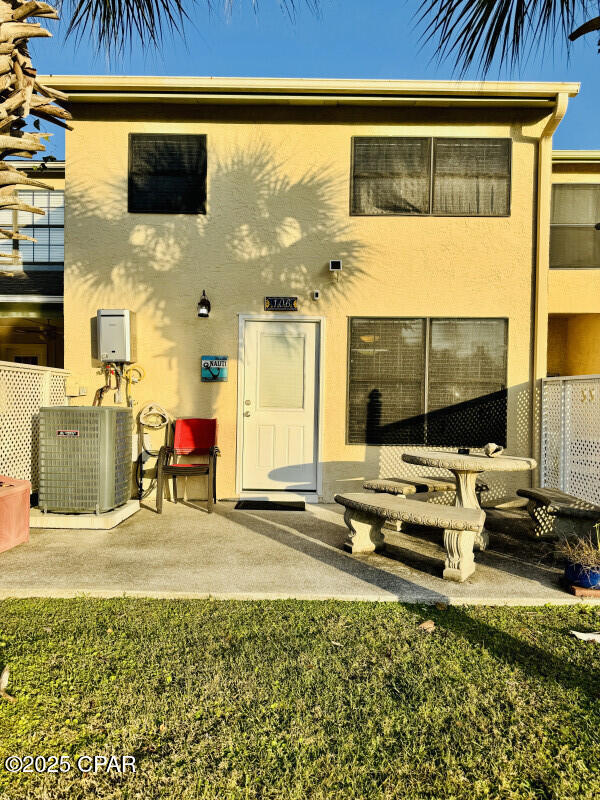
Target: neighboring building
(574,280)
(31,283)
(435,196)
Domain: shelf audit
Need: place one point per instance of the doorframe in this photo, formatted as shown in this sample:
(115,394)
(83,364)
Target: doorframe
(242,319)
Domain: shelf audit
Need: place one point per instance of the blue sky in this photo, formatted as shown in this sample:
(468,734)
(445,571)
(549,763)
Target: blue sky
(349,39)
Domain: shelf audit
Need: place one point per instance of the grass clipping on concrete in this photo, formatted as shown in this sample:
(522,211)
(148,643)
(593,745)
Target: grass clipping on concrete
(293,699)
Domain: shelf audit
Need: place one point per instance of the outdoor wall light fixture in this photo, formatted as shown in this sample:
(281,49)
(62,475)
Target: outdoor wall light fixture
(204,305)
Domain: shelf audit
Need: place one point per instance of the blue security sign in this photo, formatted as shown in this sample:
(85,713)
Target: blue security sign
(214,368)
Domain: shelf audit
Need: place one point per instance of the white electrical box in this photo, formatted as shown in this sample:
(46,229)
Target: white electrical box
(116,333)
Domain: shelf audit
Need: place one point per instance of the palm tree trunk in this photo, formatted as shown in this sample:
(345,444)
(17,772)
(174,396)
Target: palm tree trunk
(21,94)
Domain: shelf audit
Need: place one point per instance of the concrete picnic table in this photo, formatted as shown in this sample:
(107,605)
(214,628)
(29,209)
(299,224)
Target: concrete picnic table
(466,468)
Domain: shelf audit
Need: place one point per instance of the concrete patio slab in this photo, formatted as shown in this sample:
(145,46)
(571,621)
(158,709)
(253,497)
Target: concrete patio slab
(257,554)
(105,521)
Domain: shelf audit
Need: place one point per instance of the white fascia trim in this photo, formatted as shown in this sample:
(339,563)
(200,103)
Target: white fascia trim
(31,298)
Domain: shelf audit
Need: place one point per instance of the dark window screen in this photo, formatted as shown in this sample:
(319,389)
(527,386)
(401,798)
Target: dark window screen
(386,384)
(390,175)
(27,360)
(466,393)
(574,240)
(447,388)
(471,177)
(167,173)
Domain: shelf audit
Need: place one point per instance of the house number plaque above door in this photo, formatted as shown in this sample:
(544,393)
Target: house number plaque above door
(281,304)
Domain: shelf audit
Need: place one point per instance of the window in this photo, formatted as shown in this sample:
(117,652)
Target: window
(49,230)
(471,177)
(167,174)
(386,381)
(574,240)
(391,175)
(445,177)
(427,381)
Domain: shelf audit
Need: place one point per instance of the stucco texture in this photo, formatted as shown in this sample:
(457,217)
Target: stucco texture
(278,200)
(574,344)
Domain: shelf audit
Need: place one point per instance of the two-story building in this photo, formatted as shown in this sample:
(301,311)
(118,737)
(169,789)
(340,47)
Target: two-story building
(31,272)
(574,277)
(404,225)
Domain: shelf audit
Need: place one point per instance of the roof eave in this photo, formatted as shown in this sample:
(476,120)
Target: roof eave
(31,298)
(576,156)
(86,88)
(49,166)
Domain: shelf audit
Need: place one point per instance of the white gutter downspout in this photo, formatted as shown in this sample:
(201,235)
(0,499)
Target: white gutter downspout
(542,265)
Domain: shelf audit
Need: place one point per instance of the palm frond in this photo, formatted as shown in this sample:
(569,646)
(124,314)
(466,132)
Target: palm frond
(587,27)
(482,31)
(112,24)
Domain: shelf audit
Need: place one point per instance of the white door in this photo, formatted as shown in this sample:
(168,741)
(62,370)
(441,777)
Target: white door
(279,411)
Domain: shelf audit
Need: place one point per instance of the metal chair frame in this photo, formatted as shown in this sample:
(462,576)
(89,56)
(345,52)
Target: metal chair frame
(167,466)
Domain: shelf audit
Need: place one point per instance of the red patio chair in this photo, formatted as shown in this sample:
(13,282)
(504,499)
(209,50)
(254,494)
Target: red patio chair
(193,437)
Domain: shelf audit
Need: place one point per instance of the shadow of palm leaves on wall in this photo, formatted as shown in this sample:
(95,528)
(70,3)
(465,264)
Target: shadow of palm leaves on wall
(266,232)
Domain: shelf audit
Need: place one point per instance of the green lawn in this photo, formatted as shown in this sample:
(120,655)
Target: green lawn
(301,699)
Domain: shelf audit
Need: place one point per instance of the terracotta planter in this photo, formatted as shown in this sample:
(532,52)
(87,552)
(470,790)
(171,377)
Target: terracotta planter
(14,512)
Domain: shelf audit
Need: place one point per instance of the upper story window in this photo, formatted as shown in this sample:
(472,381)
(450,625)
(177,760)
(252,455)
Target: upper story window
(167,173)
(396,175)
(48,251)
(574,239)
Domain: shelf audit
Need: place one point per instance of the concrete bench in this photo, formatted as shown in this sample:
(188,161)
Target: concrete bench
(417,485)
(557,513)
(366,515)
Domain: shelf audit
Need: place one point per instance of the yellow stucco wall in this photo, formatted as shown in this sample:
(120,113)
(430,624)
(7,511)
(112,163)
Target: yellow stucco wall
(583,350)
(557,344)
(574,291)
(574,344)
(278,198)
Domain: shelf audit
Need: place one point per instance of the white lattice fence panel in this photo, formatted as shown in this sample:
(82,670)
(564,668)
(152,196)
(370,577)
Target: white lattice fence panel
(552,434)
(57,389)
(24,389)
(571,435)
(582,439)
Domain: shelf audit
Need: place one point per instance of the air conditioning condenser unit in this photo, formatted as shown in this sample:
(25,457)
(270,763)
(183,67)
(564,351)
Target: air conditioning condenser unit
(85,458)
